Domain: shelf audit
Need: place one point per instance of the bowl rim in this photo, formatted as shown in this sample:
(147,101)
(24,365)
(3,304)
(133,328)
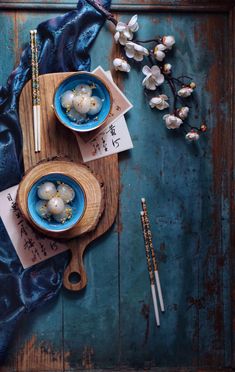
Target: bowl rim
(106,86)
(42,229)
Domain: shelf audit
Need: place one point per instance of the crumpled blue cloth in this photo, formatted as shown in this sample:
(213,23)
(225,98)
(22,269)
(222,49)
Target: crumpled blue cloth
(63,46)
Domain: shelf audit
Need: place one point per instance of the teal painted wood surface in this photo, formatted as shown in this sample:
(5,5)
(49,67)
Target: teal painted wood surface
(110,325)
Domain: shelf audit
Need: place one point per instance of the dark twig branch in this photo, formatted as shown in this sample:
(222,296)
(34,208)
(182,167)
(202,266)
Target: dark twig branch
(102,10)
(158,40)
(173,89)
(184,77)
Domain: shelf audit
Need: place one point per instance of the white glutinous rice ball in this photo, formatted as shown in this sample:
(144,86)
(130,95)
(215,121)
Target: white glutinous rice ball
(75,116)
(66,192)
(82,104)
(65,215)
(42,209)
(55,205)
(46,190)
(83,89)
(66,99)
(95,105)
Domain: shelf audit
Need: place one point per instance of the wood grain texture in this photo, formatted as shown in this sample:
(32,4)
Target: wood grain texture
(231,161)
(93,190)
(190,195)
(59,141)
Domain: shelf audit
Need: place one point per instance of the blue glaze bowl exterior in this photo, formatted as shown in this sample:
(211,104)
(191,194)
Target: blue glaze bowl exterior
(78,204)
(101,90)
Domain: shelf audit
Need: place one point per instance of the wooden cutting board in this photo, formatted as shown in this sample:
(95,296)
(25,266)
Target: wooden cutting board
(57,140)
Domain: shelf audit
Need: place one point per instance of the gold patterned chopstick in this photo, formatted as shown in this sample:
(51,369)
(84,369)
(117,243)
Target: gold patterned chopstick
(35,90)
(150,270)
(155,266)
(38,90)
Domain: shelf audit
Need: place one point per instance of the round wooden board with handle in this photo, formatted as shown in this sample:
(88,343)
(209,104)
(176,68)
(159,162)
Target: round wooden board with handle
(93,190)
(56,140)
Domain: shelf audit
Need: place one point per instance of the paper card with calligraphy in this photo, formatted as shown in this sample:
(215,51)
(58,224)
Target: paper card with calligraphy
(31,247)
(120,102)
(111,139)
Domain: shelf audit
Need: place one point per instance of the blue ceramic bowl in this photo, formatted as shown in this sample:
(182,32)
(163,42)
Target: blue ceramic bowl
(78,204)
(100,90)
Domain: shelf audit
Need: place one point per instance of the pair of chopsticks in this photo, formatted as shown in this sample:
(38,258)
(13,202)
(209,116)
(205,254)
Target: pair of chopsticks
(35,91)
(151,262)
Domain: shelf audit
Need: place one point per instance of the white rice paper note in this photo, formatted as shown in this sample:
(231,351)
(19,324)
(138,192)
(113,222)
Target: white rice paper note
(31,247)
(110,140)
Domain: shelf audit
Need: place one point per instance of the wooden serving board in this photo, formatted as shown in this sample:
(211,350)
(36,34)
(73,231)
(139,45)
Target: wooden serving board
(94,196)
(57,140)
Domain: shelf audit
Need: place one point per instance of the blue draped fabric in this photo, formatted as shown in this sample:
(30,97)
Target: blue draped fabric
(63,46)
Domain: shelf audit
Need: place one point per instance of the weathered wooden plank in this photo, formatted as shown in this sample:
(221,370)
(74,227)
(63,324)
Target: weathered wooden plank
(153,172)
(91,319)
(214,287)
(37,330)
(231,164)
(38,342)
(10,41)
(182,184)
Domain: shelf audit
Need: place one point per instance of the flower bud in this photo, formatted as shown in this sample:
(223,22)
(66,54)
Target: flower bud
(192,136)
(203,128)
(168,41)
(167,69)
(192,85)
(182,113)
(185,92)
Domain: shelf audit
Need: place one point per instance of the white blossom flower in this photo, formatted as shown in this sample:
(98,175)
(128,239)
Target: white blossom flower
(133,24)
(135,51)
(168,41)
(183,112)
(167,67)
(153,77)
(192,85)
(185,92)
(172,122)
(159,102)
(124,32)
(121,65)
(159,52)
(192,136)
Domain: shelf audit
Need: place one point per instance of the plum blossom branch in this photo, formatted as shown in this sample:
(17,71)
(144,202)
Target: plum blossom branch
(156,74)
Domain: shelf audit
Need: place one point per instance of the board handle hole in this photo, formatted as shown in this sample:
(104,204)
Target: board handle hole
(74,277)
